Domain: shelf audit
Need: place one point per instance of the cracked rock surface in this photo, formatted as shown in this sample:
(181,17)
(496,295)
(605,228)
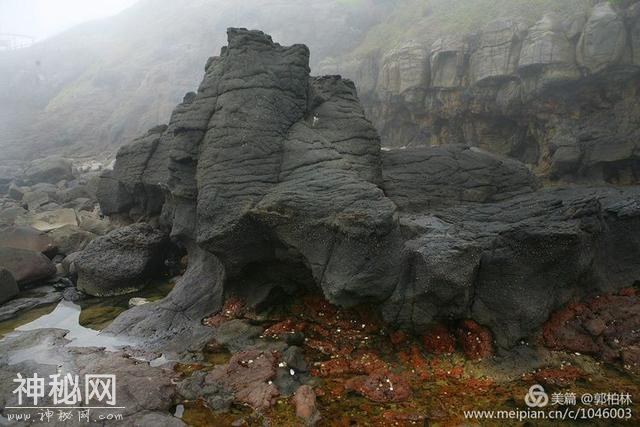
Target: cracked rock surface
(266,169)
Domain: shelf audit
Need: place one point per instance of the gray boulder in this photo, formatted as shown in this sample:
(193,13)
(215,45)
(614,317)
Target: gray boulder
(49,169)
(8,173)
(604,39)
(510,264)
(26,266)
(8,285)
(16,192)
(122,261)
(27,238)
(34,200)
(70,238)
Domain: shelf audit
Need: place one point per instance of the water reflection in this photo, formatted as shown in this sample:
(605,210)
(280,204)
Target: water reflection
(67,316)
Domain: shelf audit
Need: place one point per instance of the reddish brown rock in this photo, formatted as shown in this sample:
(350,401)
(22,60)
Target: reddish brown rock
(305,401)
(439,340)
(362,363)
(233,308)
(475,340)
(381,387)
(606,326)
(281,329)
(564,376)
(398,337)
(248,374)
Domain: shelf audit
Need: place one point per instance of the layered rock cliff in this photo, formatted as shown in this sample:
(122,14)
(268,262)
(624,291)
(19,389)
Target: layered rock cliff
(559,94)
(275,180)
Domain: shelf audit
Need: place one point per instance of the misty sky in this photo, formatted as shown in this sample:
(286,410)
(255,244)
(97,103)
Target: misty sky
(44,18)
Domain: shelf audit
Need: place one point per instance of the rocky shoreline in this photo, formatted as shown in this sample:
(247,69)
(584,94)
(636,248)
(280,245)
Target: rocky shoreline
(314,268)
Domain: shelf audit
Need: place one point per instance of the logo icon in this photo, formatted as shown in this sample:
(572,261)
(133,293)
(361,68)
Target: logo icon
(536,397)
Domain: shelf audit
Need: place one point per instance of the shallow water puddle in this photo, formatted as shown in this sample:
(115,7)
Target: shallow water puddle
(67,316)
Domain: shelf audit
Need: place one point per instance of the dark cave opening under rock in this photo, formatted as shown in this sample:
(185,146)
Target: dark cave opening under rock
(263,285)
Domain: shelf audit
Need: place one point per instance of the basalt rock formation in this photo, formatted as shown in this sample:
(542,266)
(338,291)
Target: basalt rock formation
(269,176)
(560,94)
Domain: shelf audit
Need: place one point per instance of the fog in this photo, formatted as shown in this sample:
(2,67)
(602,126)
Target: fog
(44,18)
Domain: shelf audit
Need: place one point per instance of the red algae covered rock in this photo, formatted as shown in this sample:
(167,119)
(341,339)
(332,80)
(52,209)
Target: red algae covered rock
(439,340)
(475,340)
(606,326)
(305,401)
(248,374)
(233,308)
(360,363)
(380,386)
(563,376)
(284,328)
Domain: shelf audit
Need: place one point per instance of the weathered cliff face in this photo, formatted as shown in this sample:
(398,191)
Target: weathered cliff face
(560,94)
(270,178)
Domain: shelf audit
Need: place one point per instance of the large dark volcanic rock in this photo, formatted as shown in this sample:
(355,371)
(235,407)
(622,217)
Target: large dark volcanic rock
(508,265)
(122,261)
(267,168)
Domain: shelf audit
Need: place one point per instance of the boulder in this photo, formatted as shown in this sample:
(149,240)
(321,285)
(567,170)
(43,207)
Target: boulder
(604,39)
(248,374)
(49,169)
(49,220)
(8,286)
(94,223)
(9,215)
(34,200)
(498,262)
(8,173)
(603,326)
(305,402)
(15,192)
(121,262)
(70,238)
(26,266)
(27,238)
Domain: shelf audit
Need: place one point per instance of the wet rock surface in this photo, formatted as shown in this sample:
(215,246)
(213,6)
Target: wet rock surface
(249,376)
(605,326)
(146,393)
